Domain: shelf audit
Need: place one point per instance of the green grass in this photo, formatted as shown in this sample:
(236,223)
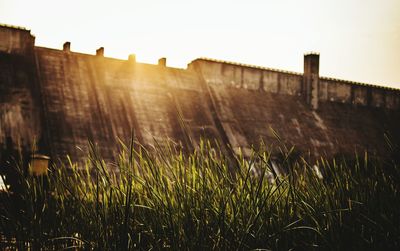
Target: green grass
(164,199)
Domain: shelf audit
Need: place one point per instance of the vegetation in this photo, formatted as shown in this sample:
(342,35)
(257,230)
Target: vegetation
(163,199)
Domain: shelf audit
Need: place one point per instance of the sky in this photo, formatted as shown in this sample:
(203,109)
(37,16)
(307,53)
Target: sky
(358,40)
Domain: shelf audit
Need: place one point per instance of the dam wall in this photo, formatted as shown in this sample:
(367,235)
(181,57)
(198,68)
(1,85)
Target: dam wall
(61,99)
(250,101)
(101,99)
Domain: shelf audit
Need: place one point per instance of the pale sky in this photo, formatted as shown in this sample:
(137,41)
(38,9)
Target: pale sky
(358,40)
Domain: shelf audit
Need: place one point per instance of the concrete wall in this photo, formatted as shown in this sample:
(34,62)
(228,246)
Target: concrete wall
(19,110)
(64,99)
(248,77)
(350,117)
(102,99)
(334,90)
(248,117)
(216,72)
(16,40)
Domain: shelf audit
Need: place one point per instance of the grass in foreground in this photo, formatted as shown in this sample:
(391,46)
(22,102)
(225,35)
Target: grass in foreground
(165,200)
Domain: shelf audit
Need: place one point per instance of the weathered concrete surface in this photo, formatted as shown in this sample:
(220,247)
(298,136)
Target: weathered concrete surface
(20,121)
(63,99)
(348,118)
(248,116)
(16,40)
(102,99)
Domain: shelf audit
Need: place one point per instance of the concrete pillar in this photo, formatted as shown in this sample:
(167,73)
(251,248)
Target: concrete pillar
(67,46)
(162,62)
(311,79)
(132,58)
(100,52)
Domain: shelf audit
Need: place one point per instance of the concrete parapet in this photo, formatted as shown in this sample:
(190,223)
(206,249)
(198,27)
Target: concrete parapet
(314,88)
(216,72)
(132,58)
(359,94)
(392,100)
(100,52)
(162,62)
(16,40)
(67,46)
(378,98)
(334,91)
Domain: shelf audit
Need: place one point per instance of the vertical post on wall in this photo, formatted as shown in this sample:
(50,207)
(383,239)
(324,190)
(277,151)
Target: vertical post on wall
(311,79)
(132,58)
(67,46)
(162,62)
(100,52)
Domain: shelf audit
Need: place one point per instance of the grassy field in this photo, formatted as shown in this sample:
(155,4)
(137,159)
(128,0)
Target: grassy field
(203,201)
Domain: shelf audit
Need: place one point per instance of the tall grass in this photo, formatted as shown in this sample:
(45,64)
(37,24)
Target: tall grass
(163,199)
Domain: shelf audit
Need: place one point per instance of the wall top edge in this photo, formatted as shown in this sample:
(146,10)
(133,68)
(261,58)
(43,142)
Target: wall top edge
(246,65)
(349,82)
(81,54)
(2,25)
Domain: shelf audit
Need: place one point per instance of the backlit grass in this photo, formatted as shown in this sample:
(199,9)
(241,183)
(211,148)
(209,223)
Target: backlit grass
(163,199)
